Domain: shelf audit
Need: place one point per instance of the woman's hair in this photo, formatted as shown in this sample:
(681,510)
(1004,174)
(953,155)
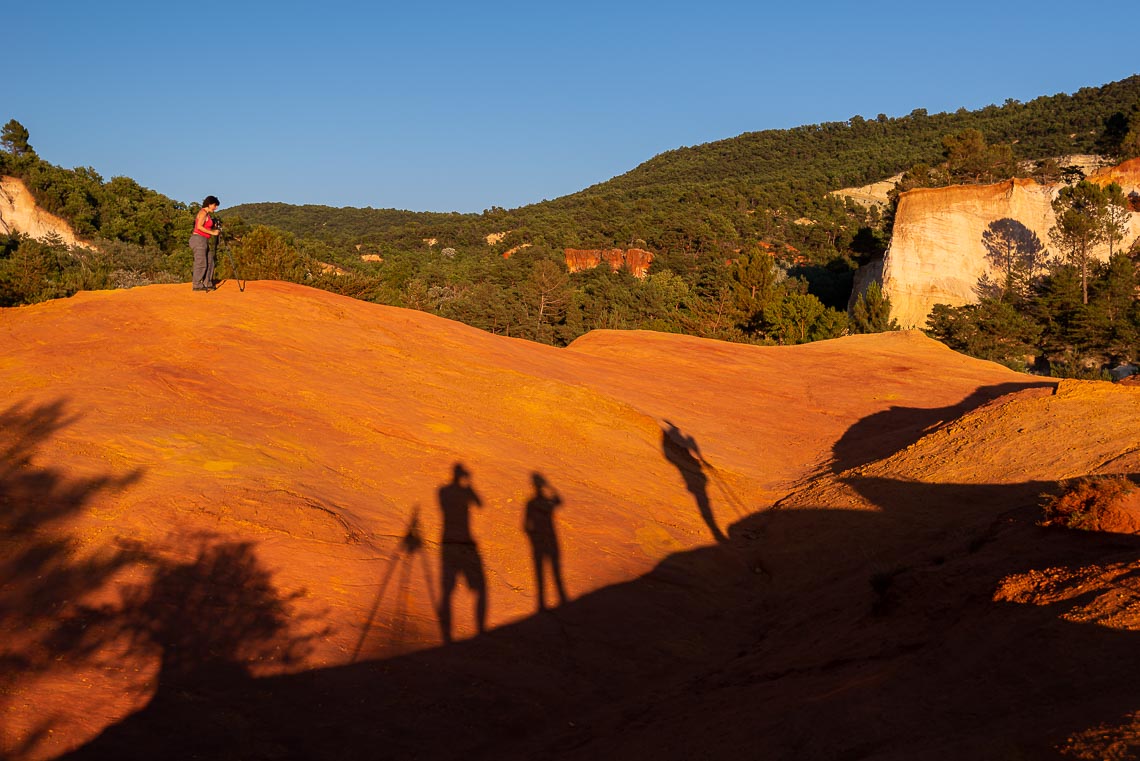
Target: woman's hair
(211,199)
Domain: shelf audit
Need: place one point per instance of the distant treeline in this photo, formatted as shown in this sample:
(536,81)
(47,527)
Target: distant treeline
(749,243)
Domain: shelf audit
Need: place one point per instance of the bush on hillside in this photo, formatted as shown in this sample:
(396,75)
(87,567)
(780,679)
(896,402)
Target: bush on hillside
(1094,504)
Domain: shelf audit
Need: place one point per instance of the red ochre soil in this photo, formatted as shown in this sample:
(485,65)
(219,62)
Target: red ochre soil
(221,524)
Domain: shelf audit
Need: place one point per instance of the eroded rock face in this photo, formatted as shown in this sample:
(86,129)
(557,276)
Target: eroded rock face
(20,214)
(946,239)
(636,260)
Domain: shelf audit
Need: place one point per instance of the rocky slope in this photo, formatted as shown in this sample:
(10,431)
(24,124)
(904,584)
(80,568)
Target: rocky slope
(942,237)
(228,521)
(20,214)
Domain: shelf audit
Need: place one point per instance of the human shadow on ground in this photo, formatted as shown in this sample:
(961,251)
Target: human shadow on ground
(459,553)
(876,634)
(682,451)
(538,524)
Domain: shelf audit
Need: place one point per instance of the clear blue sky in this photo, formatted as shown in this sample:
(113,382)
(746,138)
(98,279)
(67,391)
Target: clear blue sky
(445,106)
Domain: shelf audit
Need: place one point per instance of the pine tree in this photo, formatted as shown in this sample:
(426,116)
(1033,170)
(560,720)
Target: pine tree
(14,138)
(872,312)
(1081,212)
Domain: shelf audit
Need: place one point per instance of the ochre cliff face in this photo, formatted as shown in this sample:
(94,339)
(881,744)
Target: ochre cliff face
(636,260)
(938,250)
(19,213)
(1127,175)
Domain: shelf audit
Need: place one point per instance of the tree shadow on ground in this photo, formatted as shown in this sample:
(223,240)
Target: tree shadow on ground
(45,570)
(208,621)
(67,609)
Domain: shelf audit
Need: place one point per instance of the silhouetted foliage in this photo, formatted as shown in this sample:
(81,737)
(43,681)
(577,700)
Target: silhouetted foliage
(1015,251)
(47,572)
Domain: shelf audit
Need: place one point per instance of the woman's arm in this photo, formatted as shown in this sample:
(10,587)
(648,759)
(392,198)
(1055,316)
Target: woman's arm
(200,220)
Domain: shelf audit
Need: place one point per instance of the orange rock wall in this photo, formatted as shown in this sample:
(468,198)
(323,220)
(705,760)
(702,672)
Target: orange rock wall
(636,260)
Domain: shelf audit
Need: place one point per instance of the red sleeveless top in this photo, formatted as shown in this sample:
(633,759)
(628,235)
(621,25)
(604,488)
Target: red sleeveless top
(208,224)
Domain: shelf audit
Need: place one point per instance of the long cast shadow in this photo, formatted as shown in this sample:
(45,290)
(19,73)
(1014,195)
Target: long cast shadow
(207,621)
(884,433)
(877,634)
(538,524)
(459,553)
(942,671)
(682,451)
(400,562)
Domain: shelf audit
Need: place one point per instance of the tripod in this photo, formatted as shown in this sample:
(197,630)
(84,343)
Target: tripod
(233,266)
(410,545)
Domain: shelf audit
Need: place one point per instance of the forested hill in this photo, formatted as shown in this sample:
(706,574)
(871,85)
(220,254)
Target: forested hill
(861,150)
(708,197)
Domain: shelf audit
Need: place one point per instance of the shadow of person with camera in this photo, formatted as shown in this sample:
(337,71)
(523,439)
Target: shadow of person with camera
(682,451)
(458,551)
(538,523)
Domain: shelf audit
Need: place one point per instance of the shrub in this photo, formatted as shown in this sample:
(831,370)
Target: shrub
(1089,504)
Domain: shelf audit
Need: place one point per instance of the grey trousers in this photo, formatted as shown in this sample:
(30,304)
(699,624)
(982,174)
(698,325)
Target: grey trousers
(203,262)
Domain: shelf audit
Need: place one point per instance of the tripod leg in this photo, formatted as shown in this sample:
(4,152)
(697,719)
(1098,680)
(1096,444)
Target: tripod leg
(376,604)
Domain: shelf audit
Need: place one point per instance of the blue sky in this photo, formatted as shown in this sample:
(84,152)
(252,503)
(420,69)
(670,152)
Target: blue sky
(443,106)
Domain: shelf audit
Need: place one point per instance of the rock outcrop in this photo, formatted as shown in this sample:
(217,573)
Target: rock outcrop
(20,214)
(636,260)
(875,194)
(944,238)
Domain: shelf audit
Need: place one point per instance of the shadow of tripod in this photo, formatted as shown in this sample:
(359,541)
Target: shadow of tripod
(402,561)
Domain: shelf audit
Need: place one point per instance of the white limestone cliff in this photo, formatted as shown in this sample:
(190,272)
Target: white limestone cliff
(20,214)
(938,251)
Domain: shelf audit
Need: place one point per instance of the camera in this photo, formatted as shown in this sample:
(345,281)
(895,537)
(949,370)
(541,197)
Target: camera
(217,221)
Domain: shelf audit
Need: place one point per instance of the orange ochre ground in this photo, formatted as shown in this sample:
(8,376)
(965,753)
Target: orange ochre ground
(281,523)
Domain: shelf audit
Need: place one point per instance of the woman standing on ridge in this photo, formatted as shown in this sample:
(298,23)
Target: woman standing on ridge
(204,229)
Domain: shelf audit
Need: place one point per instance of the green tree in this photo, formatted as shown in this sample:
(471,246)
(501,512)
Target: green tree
(1130,145)
(1112,138)
(1081,212)
(267,254)
(991,329)
(969,157)
(14,138)
(1116,214)
(756,278)
(1113,306)
(1069,330)
(872,311)
(546,293)
(800,317)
